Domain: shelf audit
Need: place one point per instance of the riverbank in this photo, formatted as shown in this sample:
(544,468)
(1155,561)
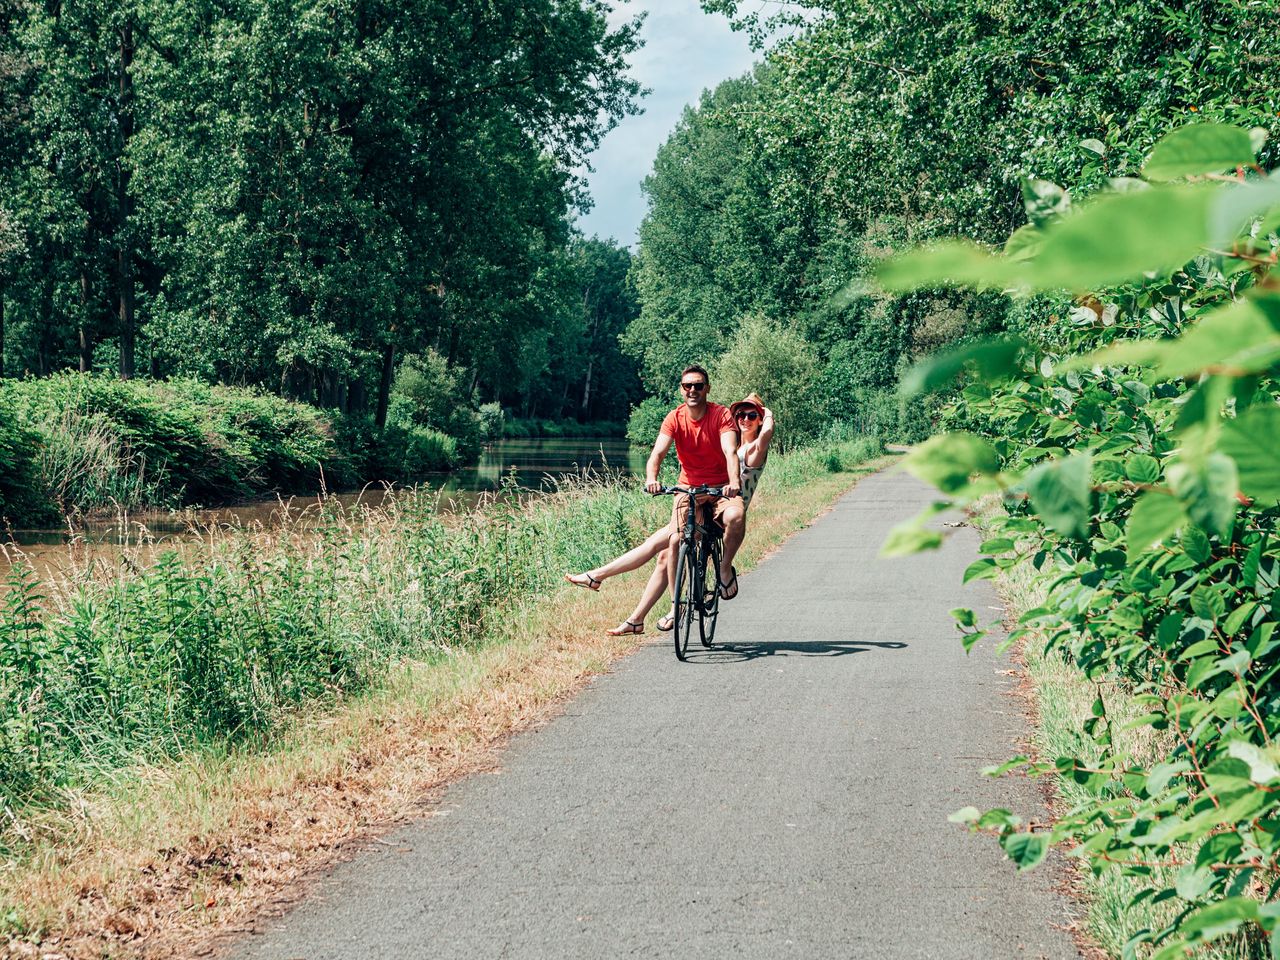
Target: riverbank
(77,444)
(326,683)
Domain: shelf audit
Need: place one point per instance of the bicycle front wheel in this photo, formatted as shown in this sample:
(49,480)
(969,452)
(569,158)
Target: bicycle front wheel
(686,587)
(709,571)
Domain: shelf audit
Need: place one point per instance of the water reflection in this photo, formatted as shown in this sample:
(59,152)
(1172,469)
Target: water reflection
(533,465)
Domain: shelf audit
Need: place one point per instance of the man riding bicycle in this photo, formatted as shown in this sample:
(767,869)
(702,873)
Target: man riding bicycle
(706,443)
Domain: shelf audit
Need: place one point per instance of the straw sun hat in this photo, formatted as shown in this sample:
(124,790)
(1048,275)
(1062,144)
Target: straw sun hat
(751,401)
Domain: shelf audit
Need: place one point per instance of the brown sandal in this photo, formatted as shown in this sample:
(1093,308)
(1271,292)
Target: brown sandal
(625,628)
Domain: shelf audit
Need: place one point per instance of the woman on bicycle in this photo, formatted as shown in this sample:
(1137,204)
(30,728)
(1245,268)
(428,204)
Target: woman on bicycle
(755,431)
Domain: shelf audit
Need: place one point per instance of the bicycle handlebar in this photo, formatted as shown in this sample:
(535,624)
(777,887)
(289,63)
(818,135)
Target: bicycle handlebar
(694,491)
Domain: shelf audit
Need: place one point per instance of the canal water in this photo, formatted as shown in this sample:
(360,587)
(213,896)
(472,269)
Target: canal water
(534,466)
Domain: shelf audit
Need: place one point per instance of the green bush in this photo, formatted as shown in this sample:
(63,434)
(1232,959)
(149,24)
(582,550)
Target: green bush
(23,501)
(782,367)
(646,420)
(1135,442)
(99,442)
(523,428)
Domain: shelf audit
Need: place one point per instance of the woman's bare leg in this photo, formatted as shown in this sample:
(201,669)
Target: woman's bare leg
(653,592)
(633,559)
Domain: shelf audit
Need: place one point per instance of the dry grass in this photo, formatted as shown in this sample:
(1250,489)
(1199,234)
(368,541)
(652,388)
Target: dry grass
(172,859)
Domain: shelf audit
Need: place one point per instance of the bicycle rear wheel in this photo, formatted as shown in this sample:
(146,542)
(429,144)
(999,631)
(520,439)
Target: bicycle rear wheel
(686,583)
(709,571)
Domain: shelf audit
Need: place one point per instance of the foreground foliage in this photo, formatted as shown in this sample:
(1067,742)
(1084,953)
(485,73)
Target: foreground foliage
(1137,457)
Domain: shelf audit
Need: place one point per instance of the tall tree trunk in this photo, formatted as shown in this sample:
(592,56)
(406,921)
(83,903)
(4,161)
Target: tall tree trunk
(593,322)
(44,347)
(85,338)
(585,407)
(384,385)
(124,237)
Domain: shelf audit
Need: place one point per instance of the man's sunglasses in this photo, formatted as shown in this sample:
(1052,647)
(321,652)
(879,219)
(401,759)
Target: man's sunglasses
(693,386)
(748,415)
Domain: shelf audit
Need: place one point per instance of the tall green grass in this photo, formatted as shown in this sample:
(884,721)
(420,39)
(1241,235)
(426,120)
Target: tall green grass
(227,639)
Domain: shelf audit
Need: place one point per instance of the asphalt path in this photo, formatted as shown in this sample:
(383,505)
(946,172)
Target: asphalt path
(784,794)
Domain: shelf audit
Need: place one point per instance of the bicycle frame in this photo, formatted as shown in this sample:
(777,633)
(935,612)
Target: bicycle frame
(699,545)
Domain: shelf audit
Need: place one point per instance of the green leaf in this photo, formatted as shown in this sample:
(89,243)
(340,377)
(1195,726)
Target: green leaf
(1225,916)
(993,358)
(964,617)
(1025,849)
(1262,765)
(984,569)
(948,461)
(1239,339)
(1196,544)
(1043,200)
(1240,205)
(1207,603)
(1252,440)
(956,263)
(1208,489)
(1155,517)
(1233,623)
(908,538)
(997,818)
(1141,468)
(1024,243)
(1194,882)
(1162,773)
(1199,148)
(1121,236)
(964,815)
(1061,495)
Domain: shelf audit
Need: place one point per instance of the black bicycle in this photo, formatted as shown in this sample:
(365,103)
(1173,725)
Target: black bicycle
(697,583)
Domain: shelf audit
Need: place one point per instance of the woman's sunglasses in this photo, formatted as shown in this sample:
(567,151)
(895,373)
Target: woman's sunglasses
(748,415)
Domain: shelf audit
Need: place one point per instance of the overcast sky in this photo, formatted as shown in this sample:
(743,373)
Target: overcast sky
(685,52)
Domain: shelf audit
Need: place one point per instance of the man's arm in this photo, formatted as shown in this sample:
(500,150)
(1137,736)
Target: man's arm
(729,444)
(660,448)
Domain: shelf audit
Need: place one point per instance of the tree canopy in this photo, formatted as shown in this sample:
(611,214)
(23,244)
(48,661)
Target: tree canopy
(294,193)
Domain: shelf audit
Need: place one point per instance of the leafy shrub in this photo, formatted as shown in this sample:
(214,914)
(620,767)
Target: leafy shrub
(99,441)
(1142,479)
(426,391)
(22,500)
(492,420)
(779,365)
(646,420)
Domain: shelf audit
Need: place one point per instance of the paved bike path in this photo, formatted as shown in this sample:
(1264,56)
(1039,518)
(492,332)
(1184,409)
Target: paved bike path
(785,794)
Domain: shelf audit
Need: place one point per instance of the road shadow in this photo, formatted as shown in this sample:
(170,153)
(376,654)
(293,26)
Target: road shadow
(741,651)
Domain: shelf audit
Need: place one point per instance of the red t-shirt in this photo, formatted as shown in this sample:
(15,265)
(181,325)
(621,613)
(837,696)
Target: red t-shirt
(698,444)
